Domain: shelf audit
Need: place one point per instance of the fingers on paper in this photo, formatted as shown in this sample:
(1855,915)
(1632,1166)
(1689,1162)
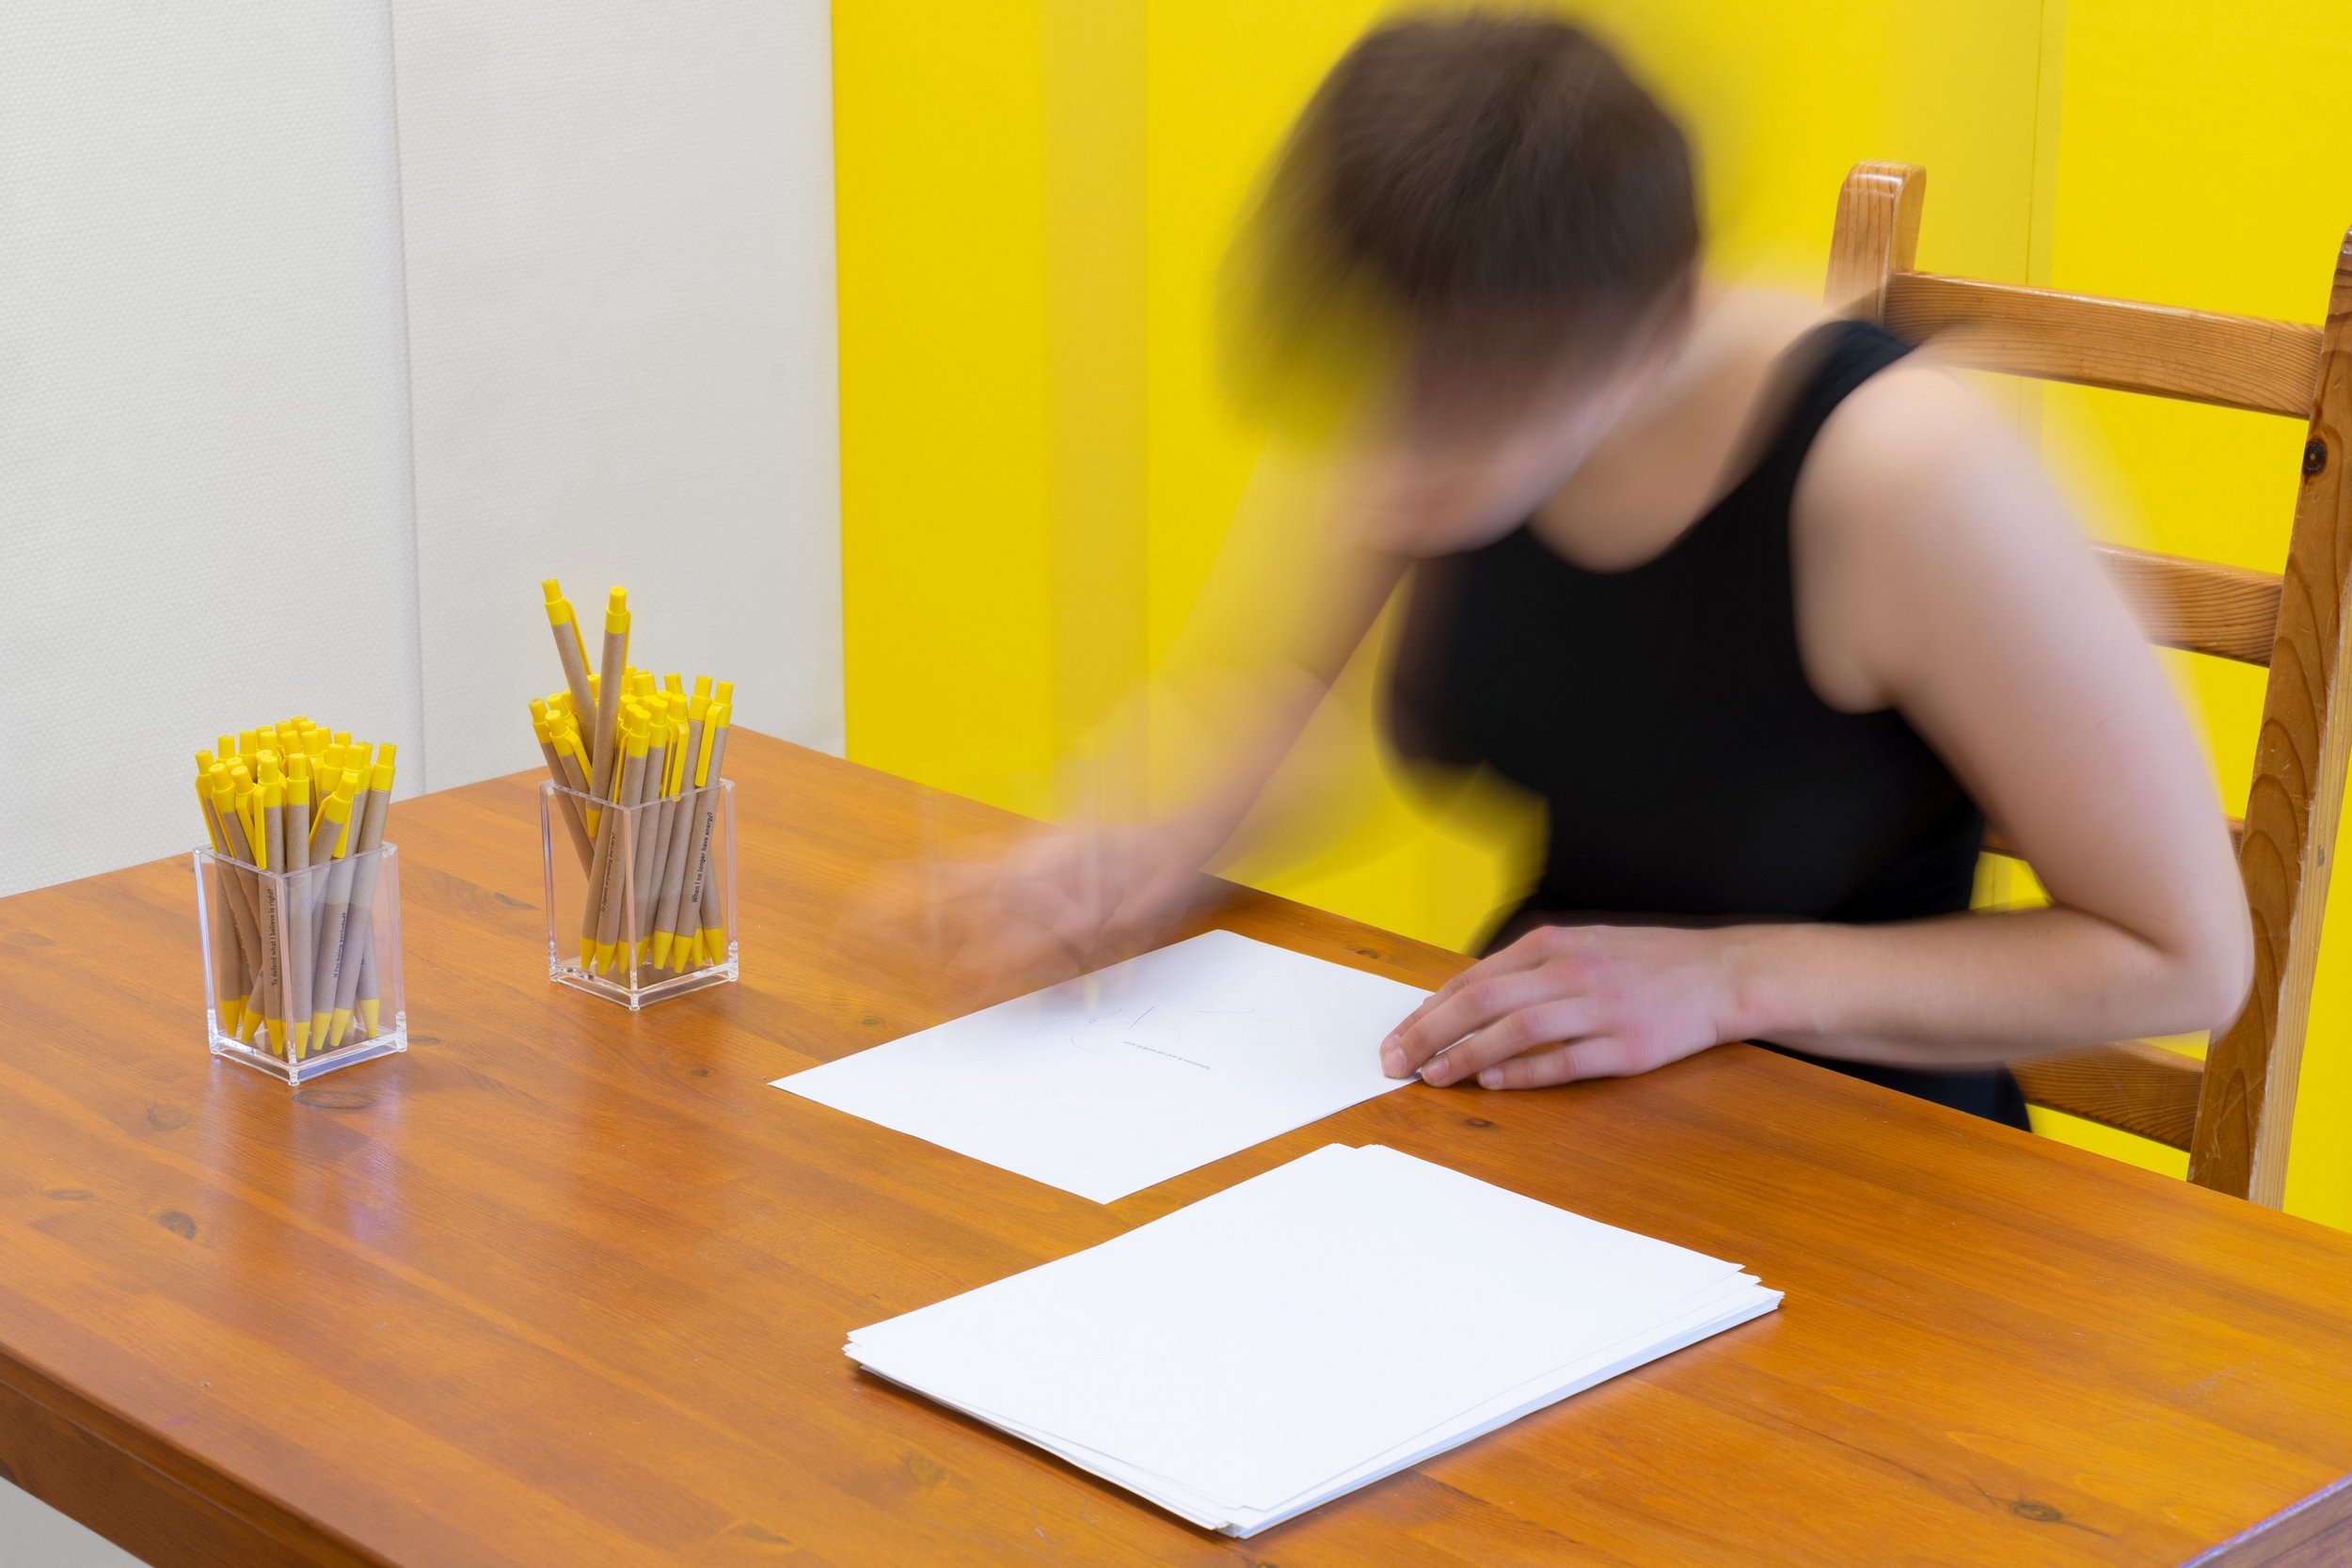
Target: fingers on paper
(1599,1056)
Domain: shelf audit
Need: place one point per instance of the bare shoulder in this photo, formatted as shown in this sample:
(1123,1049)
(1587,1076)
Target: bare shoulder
(1919,508)
(1913,428)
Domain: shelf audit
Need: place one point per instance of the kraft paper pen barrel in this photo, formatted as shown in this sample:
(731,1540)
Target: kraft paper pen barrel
(365,801)
(612,830)
(334,913)
(359,936)
(249,893)
(243,905)
(666,946)
(572,776)
(645,833)
(706,940)
(617,884)
(606,832)
(569,651)
(581,841)
(365,1024)
(299,916)
(665,815)
(271,792)
(687,949)
(604,745)
(227,951)
(229,957)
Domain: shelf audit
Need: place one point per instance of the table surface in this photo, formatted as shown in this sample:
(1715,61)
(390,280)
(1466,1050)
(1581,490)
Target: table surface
(565,1286)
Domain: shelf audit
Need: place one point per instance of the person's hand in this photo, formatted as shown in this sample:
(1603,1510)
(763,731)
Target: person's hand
(1062,902)
(1569,1002)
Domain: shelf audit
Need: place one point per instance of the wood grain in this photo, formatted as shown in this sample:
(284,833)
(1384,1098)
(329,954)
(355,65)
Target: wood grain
(2234,361)
(564,1285)
(1875,236)
(2247,1111)
(2132,1087)
(2201,606)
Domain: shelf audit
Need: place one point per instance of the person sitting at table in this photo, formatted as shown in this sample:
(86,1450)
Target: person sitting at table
(1768,610)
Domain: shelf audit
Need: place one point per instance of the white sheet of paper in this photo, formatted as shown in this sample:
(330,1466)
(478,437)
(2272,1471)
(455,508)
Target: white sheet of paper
(1307,1331)
(1187,1054)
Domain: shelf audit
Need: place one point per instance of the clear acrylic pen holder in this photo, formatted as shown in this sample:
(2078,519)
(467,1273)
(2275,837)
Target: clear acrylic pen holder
(641,899)
(302,968)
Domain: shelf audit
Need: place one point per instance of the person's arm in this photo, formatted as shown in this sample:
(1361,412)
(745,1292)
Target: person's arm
(1940,574)
(1293,592)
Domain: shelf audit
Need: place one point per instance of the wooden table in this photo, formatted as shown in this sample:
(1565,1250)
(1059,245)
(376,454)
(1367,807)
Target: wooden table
(564,1285)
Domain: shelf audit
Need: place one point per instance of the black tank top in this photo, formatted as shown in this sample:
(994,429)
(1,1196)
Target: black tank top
(1691,774)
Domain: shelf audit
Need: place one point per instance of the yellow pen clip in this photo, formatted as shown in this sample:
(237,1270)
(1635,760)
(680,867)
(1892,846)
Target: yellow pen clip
(712,723)
(560,614)
(266,797)
(336,814)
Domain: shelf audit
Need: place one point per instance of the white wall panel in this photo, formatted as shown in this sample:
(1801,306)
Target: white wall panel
(204,513)
(619,229)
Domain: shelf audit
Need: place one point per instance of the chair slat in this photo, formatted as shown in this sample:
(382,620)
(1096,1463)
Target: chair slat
(2199,605)
(2133,1087)
(2235,361)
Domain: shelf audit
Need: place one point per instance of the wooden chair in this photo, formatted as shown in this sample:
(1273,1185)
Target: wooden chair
(2232,1116)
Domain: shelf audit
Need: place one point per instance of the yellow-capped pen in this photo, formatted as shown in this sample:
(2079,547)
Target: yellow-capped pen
(332,846)
(566,806)
(569,650)
(630,784)
(270,851)
(299,915)
(228,946)
(712,937)
(355,988)
(603,742)
(645,863)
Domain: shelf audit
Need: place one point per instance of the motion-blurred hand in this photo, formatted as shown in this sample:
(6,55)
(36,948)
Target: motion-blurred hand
(1064,901)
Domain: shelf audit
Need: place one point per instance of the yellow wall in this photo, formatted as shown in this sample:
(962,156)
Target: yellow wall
(946,477)
(1038,469)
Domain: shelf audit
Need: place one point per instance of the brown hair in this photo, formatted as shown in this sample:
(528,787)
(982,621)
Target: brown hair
(1498,179)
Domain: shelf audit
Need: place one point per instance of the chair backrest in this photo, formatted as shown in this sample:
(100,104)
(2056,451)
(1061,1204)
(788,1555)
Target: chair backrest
(2232,1116)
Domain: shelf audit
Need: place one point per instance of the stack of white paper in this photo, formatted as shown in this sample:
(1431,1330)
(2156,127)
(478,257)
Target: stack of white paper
(1106,1084)
(1299,1334)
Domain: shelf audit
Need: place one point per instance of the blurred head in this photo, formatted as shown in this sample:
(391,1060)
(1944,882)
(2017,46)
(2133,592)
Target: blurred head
(1522,215)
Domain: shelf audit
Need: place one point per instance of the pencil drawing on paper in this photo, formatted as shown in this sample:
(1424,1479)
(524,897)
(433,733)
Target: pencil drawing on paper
(1155,1030)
